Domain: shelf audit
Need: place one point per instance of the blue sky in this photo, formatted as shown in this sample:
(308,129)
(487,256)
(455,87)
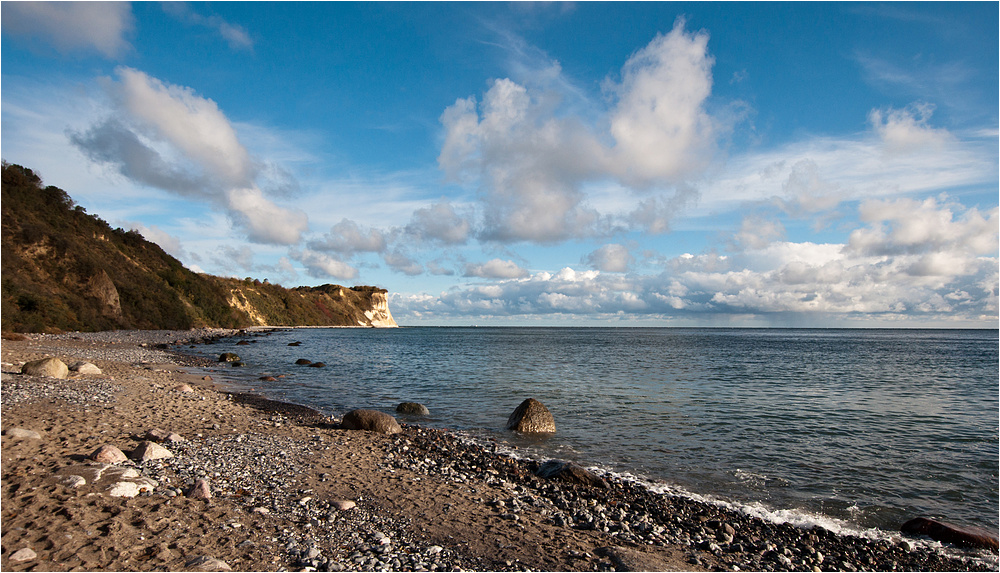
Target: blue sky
(689,164)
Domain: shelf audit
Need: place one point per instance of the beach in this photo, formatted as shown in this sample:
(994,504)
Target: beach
(291,489)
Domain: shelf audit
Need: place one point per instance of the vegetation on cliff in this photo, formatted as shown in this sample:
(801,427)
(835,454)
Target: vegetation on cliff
(65,270)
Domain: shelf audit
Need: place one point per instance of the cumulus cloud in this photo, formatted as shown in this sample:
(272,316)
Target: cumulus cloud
(912,227)
(441,223)
(402,263)
(348,238)
(495,269)
(611,258)
(323,266)
(660,126)
(756,232)
(532,160)
(913,260)
(906,130)
(168,137)
(71,26)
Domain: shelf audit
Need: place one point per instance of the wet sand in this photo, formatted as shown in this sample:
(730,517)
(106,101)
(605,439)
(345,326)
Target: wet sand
(280,476)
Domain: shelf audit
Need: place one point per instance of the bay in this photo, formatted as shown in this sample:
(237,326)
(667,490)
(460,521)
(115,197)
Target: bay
(854,429)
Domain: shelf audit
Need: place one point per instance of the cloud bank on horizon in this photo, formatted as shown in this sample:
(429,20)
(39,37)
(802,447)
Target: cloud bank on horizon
(494,165)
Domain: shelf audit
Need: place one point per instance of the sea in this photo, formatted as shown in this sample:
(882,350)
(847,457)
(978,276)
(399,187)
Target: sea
(857,430)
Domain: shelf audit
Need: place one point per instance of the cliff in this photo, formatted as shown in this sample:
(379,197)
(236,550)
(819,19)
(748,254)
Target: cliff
(63,269)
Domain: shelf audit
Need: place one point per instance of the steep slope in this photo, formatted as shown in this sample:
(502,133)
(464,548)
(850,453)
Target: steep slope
(63,269)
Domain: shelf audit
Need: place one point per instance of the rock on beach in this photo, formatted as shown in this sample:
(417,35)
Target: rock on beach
(569,472)
(372,421)
(108,454)
(51,367)
(22,434)
(531,417)
(950,533)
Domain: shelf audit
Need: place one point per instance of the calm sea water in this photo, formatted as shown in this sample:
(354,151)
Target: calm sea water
(858,428)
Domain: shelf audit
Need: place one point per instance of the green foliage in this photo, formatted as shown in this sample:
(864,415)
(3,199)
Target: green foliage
(53,254)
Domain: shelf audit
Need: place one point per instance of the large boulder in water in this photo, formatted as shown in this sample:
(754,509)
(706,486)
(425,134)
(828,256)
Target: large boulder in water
(531,417)
(51,367)
(965,536)
(413,408)
(569,472)
(372,421)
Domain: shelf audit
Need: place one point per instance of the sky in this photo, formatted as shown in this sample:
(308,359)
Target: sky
(619,164)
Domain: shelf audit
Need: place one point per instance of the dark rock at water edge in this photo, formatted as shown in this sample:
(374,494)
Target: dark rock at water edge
(569,472)
(303,362)
(229,357)
(965,536)
(531,417)
(413,408)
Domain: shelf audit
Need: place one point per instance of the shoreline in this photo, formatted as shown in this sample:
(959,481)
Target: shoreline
(424,499)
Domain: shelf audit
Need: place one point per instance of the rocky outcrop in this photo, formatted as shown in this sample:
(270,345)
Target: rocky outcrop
(101,287)
(372,421)
(965,536)
(531,417)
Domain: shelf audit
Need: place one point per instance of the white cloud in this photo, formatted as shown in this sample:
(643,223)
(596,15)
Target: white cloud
(661,129)
(402,263)
(533,160)
(757,232)
(236,36)
(168,137)
(495,269)
(907,130)
(72,26)
(323,266)
(441,223)
(942,269)
(916,227)
(348,238)
(611,258)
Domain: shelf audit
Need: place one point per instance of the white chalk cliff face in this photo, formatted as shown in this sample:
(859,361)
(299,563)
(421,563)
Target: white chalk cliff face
(379,315)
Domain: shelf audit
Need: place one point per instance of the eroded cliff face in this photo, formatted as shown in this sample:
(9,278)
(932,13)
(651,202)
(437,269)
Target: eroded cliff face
(325,305)
(379,315)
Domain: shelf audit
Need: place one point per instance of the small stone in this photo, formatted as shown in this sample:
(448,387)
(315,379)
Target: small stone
(108,454)
(261,510)
(72,480)
(183,388)
(23,554)
(200,490)
(150,451)
(86,368)
(22,434)
(124,489)
(206,563)
(343,504)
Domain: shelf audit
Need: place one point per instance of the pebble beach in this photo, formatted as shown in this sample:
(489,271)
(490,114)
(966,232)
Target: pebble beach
(250,484)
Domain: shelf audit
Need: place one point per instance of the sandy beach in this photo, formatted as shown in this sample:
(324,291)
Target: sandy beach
(290,489)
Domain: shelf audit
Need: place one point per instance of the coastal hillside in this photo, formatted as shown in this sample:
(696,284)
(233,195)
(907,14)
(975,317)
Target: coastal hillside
(66,270)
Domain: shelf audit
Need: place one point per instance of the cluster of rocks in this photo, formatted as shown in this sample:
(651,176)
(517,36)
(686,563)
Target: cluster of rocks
(260,473)
(631,515)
